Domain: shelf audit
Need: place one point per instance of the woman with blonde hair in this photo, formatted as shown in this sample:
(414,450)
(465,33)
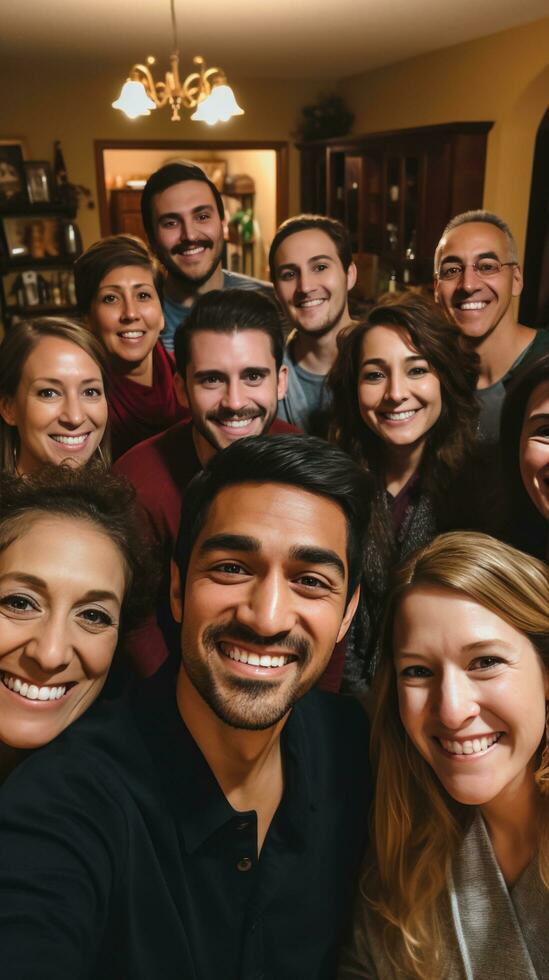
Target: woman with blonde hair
(458,882)
(53,407)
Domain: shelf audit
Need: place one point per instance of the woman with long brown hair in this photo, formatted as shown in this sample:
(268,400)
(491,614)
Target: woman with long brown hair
(405,408)
(457,886)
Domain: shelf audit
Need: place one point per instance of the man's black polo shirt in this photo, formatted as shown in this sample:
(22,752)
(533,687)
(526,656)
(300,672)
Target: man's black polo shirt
(121,859)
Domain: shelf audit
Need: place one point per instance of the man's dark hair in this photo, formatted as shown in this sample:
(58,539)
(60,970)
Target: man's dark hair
(173,173)
(88,493)
(317,222)
(227,311)
(299,461)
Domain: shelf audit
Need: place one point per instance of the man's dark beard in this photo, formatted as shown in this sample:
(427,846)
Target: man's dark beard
(267,419)
(244,707)
(176,273)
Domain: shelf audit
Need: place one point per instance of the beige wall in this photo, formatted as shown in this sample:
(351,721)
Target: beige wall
(75,106)
(503,78)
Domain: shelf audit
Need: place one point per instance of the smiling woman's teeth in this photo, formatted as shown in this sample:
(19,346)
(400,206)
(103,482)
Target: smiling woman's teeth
(71,440)
(31,691)
(132,334)
(472,306)
(399,416)
(470,747)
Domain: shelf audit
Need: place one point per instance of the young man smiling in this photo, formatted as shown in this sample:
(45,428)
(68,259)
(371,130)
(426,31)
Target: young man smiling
(230,375)
(477,276)
(211,827)
(312,270)
(183,215)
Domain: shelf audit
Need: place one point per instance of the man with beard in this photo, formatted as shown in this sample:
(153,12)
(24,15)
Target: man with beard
(477,277)
(183,215)
(230,375)
(312,270)
(211,826)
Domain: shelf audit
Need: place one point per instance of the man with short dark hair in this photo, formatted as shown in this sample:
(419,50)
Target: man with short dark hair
(312,270)
(211,826)
(477,276)
(183,215)
(230,375)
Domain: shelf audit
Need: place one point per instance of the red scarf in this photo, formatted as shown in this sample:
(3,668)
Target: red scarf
(137,411)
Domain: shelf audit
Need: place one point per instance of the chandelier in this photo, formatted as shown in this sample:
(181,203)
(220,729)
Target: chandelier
(204,90)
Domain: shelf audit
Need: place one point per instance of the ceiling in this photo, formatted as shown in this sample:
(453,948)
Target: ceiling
(256,38)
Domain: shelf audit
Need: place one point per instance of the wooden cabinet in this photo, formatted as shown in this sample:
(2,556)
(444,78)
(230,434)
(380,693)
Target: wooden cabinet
(126,213)
(396,191)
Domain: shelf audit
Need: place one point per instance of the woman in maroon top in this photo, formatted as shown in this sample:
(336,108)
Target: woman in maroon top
(405,407)
(117,296)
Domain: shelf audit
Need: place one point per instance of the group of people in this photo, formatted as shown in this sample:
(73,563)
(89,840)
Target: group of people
(313,540)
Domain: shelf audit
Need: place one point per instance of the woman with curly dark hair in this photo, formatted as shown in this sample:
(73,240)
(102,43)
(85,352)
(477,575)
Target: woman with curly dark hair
(74,572)
(405,407)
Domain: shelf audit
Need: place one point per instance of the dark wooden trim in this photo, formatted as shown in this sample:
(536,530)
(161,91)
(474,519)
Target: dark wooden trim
(279,146)
(347,142)
(282,184)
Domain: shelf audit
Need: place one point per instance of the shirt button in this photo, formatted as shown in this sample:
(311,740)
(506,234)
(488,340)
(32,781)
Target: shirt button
(244,864)
(243,825)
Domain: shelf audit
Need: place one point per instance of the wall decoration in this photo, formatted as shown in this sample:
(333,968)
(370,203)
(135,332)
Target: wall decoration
(13,186)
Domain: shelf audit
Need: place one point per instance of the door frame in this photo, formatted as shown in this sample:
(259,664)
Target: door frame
(176,146)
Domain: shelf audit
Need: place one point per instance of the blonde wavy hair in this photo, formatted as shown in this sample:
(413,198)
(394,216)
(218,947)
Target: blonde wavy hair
(417,825)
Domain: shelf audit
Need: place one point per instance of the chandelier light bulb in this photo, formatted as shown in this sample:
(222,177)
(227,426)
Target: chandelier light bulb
(134,101)
(219,106)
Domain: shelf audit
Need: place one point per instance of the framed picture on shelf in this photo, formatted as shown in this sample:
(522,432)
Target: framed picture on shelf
(37,237)
(39,181)
(13,185)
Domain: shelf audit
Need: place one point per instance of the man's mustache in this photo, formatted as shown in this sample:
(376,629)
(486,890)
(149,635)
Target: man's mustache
(226,414)
(239,632)
(187,243)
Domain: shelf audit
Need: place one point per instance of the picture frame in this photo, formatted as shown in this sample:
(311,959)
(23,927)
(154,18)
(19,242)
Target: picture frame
(32,236)
(39,181)
(13,184)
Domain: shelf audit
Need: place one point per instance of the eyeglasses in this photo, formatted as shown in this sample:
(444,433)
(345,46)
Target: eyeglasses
(483,268)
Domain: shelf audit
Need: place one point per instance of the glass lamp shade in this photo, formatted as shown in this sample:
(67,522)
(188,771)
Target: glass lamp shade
(133,100)
(218,106)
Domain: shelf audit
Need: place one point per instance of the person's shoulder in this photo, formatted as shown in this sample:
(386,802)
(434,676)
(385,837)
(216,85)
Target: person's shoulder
(235,280)
(335,715)
(334,733)
(85,759)
(280,428)
(136,462)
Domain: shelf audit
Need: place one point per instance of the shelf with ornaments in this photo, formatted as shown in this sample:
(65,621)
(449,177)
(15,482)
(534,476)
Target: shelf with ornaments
(39,241)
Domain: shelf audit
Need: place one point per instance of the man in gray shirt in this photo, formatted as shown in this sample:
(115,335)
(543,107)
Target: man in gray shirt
(183,215)
(477,275)
(312,270)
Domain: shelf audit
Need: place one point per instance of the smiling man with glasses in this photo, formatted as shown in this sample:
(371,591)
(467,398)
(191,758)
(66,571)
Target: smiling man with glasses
(477,274)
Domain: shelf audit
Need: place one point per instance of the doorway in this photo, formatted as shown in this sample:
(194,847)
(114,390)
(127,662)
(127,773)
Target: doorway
(251,175)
